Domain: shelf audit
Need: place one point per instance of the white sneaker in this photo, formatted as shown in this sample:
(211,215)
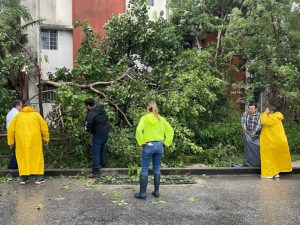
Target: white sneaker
(277,176)
(266,177)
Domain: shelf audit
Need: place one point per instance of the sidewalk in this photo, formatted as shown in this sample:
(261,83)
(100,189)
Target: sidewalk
(164,171)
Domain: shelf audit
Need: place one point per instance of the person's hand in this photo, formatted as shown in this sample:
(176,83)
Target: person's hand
(46,143)
(11,146)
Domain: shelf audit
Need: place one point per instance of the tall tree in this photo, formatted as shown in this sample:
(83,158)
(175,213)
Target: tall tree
(17,62)
(137,61)
(13,56)
(261,32)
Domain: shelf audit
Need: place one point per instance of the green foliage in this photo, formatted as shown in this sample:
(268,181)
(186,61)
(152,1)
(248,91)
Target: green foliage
(6,179)
(70,144)
(263,34)
(12,55)
(123,151)
(292,130)
(161,70)
(222,156)
(223,133)
(141,60)
(6,98)
(10,58)
(195,17)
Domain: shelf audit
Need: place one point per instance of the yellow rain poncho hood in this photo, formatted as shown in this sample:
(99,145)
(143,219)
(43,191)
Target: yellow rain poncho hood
(27,130)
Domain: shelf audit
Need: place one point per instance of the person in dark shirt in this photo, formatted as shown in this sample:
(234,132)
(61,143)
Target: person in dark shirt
(96,122)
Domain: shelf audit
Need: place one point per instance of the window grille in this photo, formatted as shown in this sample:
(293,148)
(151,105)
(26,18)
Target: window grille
(49,95)
(48,39)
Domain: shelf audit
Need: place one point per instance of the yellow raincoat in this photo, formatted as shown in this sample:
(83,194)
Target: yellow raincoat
(27,128)
(274,149)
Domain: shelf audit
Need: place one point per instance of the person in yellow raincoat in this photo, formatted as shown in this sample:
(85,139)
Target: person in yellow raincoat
(28,129)
(274,149)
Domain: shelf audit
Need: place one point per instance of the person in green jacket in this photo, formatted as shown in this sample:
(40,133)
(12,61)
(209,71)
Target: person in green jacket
(152,133)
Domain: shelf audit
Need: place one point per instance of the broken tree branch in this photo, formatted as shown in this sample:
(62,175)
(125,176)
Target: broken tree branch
(92,88)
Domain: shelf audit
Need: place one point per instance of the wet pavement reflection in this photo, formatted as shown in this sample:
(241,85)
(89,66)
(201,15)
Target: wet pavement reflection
(246,199)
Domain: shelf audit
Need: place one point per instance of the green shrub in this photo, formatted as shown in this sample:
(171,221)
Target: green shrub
(222,156)
(222,133)
(292,130)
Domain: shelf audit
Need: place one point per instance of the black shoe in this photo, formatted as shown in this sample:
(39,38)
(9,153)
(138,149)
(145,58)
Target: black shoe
(93,175)
(23,180)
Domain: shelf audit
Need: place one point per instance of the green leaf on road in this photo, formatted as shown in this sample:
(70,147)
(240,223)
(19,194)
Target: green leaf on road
(59,198)
(39,206)
(120,202)
(116,194)
(192,199)
(159,202)
(66,187)
(90,185)
(162,202)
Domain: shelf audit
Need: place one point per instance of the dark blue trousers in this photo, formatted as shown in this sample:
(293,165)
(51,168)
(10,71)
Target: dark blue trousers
(13,162)
(98,148)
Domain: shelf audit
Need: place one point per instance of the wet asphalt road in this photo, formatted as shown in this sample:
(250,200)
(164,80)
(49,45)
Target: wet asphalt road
(246,199)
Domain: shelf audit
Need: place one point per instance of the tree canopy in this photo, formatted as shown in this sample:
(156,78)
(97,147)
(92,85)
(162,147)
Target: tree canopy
(174,63)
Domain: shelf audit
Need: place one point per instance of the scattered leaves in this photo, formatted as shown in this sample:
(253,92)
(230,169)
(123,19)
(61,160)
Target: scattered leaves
(66,187)
(6,179)
(39,206)
(159,202)
(120,202)
(192,199)
(116,194)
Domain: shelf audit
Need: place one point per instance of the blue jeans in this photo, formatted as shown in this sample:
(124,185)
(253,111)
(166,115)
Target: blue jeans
(154,151)
(98,148)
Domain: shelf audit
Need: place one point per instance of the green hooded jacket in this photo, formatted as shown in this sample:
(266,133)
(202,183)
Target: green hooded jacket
(152,129)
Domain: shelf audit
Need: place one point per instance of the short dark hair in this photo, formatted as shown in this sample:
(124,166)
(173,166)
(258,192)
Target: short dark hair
(252,104)
(17,103)
(89,102)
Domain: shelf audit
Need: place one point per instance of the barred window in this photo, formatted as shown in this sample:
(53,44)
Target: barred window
(49,95)
(48,39)
(151,2)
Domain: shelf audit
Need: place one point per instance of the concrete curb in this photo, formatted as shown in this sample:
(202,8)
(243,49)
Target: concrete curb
(164,171)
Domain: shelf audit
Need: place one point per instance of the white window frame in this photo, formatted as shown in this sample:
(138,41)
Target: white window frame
(49,39)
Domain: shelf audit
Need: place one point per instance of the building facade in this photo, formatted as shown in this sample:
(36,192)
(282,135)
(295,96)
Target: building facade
(56,41)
